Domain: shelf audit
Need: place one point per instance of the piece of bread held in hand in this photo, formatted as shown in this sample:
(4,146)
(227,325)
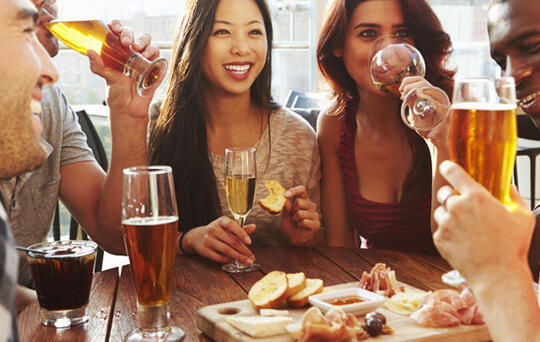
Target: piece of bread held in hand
(276,199)
(270,291)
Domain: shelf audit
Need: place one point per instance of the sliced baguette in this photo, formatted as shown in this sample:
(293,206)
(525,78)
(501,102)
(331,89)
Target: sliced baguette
(269,291)
(260,326)
(276,199)
(300,299)
(297,282)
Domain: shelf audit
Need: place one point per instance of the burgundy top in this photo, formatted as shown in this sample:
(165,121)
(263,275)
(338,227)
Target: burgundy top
(384,225)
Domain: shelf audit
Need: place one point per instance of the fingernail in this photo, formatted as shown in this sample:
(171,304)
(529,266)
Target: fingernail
(125,40)
(445,165)
(247,240)
(249,261)
(287,193)
(137,45)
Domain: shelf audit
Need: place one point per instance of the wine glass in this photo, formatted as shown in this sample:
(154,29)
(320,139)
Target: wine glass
(395,58)
(150,227)
(240,185)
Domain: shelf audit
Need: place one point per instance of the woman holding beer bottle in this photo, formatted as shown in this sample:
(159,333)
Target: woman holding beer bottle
(219,97)
(376,173)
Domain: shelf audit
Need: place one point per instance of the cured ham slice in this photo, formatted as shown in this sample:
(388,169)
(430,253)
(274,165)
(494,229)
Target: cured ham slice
(470,314)
(335,326)
(448,308)
(437,315)
(381,280)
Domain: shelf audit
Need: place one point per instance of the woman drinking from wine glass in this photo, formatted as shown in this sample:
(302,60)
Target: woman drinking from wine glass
(219,97)
(376,172)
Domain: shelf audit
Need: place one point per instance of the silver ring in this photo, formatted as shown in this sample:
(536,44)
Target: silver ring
(444,193)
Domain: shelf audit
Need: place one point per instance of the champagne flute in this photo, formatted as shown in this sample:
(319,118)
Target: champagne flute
(394,59)
(483,137)
(240,186)
(150,226)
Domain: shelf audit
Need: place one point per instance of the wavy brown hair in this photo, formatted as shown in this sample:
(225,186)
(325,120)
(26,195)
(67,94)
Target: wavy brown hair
(430,40)
(178,137)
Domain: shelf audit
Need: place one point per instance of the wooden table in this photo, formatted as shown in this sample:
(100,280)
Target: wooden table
(199,282)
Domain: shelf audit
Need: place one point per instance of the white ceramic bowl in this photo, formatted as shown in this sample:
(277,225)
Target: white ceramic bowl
(370,300)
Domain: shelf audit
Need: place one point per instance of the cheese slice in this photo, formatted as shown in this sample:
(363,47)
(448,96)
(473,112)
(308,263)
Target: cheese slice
(260,326)
(273,312)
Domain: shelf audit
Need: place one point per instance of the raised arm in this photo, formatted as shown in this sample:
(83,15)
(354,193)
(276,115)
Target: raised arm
(333,203)
(488,244)
(93,197)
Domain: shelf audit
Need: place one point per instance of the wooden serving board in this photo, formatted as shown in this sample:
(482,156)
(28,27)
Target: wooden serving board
(211,321)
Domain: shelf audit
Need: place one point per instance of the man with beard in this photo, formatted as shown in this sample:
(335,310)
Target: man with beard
(486,242)
(70,171)
(24,68)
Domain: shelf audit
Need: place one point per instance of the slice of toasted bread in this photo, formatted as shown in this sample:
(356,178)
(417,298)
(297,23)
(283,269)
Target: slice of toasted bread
(276,199)
(297,282)
(269,291)
(300,299)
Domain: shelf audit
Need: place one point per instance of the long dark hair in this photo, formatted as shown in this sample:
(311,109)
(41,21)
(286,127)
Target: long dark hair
(431,41)
(178,138)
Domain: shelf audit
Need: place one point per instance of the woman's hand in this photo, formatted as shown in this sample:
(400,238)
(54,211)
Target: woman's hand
(222,240)
(476,233)
(300,219)
(439,134)
(123,97)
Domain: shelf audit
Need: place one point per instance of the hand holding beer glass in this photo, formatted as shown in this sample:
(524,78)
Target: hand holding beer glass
(84,35)
(150,226)
(393,60)
(240,186)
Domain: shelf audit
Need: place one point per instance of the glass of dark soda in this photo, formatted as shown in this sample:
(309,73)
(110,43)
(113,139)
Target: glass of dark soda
(62,273)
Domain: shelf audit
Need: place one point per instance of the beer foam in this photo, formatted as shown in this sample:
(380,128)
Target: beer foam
(484,106)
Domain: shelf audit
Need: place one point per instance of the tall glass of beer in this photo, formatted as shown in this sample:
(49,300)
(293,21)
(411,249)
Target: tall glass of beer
(483,132)
(150,225)
(84,35)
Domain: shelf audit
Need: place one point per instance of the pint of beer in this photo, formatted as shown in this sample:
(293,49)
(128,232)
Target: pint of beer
(150,226)
(84,35)
(483,132)
(151,243)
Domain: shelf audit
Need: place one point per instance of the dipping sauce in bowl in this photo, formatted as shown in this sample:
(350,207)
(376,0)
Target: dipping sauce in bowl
(351,300)
(345,300)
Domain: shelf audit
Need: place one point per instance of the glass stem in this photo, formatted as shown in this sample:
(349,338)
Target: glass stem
(153,318)
(240,220)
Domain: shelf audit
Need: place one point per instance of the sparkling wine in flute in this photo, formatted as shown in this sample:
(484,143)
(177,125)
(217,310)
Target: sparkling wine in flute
(240,192)
(84,35)
(150,245)
(483,140)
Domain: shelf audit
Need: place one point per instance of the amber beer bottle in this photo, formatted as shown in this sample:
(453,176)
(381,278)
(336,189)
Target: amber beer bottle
(84,35)
(483,140)
(150,243)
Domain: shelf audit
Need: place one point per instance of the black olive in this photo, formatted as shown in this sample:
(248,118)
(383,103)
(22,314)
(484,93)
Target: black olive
(377,315)
(374,326)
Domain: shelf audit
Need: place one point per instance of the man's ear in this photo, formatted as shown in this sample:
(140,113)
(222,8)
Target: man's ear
(337,52)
